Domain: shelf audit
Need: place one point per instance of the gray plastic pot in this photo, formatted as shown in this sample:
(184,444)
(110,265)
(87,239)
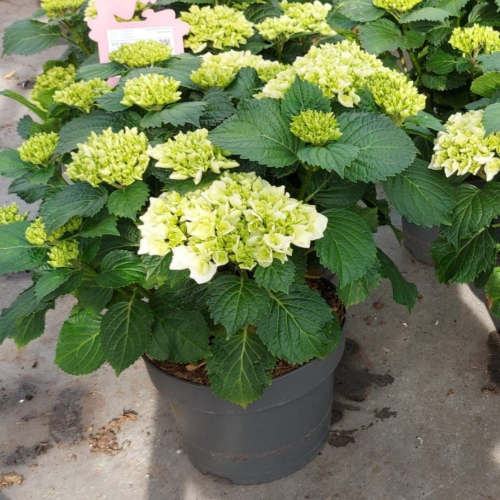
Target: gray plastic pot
(418,240)
(271,438)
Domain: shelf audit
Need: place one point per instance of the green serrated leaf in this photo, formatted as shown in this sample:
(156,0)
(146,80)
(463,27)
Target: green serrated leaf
(128,201)
(76,199)
(278,277)
(425,14)
(332,157)
(236,302)
(301,96)
(178,336)
(491,119)
(120,268)
(423,119)
(24,126)
(421,195)
(179,114)
(452,6)
(368,214)
(183,293)
(126,332)
(112,101)
(22,100)
(293,329)
(444,82)
(262,123)
(218,108)
(99,225)
(347,247)
(157,270)
(29,37)
(360,10)
(100,70)
(359,289)
(257,12)
(380,36)
(245,85)
(384,150)
(486,85)
(490,62)
(492,290)
(79,350)
(330,192)
(27,191)
(91,295)
(56,283)
(441,62)
(28,328)
(11,164)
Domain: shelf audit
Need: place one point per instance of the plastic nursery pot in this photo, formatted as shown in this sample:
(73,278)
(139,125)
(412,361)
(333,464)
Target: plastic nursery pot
(418,240)
(273,437)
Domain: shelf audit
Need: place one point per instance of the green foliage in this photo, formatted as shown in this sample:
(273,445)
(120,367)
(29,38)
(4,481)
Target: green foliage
(359,289)
(11,164)
(487,84)
(332,157)
(128,201)
(493,291)
(278,277)
(29,37)
(491,119)
(301,96)
(120,268)
(176,114)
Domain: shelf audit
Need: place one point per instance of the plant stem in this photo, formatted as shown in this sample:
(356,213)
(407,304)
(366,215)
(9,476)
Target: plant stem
(305,183)
(78,40)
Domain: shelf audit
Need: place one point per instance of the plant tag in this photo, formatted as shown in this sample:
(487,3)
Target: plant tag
(119,37)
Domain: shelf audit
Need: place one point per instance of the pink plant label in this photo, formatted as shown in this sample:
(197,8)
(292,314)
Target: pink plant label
(110,34)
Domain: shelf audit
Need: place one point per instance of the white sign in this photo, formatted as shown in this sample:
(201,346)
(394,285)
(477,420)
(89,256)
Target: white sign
(119,37)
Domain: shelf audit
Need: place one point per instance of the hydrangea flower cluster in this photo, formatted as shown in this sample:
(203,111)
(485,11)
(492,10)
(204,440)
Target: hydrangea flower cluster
(82,94)
(464,149)
(297,18)
(217,27)
(395,94)
(239,218)
(63,254)
(475,40)
(190,155)
(151,91)
(10,213)
(56,78)
(37,235)
(220,70)
(57,8)
(338,69)
(141,54)
(111,157)
(398,6)
(39,148)
(315,127)
(91,12)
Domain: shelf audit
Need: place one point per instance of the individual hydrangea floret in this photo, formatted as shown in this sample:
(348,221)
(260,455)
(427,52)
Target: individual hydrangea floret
(10,213)
(63,254)
(395,94)
(239,218)
(315,127)
(58,8)
(36,233)
(56,78)
(141,54)
(151,91)
(82,95)
(189,155)
(298,18)
(218,27)
(475,40)
(111,157)
(398,6)
(39,148)
(464,149)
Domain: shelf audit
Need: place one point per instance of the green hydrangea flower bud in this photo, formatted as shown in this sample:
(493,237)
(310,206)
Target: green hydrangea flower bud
(218,27)
(398,6)
(190,155)
(39,148)
(90,12)
(36,234)
(55,78)
(70,227)
(315,127)
(395,94)
(58,8)
(141,54)
(151,91)
(10,213)
(111,157)
(63,254)
(475,40)
(82,94)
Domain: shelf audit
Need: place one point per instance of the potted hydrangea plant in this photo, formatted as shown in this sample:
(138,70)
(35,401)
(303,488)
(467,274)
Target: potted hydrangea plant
(192,209)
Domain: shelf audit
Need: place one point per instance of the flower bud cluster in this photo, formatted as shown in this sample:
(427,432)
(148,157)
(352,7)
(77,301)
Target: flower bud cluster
(82,94)
(464,149)
(63,254)
(151,91)
(58,8)
(10,213)
(315,127)
(218,27)
(90,12)
(475,40)
(190,155)
(37,235)
(298,18)
(239,218)
(39,148)
(111,157)
(398,6)
(141,54)
(56,78)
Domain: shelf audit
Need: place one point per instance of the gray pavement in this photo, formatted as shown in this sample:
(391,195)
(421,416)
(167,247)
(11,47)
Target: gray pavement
(416,414)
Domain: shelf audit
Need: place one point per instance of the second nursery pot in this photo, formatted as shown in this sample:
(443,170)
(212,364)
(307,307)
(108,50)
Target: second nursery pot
(418,240)
(271,438)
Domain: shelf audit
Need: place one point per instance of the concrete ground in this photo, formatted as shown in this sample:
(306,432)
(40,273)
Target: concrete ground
(416,414)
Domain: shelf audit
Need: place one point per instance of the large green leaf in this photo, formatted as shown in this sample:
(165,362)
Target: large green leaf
(236,302)
(120,268)
(331,157)
(176,114)
(79,350)
(157,270)
(328,191)
(421,195)
(380,36)
(493,291)
(179,336)
(425,14)
(16,254)
(28,328)
(245,85)
(295,326)
(359,290)
(76,199)
(360,10)
(11,164)
(452,6)
(491,119)
(277,277)
(303,95)
(57,282)
(257,12)
(183,293)
(384,150)
(93,296)
(29,37)
(486,85)
(441,62)
(28,104)
(490,62)
(218,108)
(240,367)
(259,123)
(100,224)
(403,292)
(126,332)
(347,247)
(100,70)
(128,201)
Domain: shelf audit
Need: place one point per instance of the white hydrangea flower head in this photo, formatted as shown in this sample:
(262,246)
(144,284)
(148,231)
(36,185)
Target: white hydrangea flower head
(315,127)
(239,218)
(56,78)
(141,54)
(39,148)
(464,149)
(398,6)
(82,94)
(189,155)
(151,91)
(475,40)
(218,27)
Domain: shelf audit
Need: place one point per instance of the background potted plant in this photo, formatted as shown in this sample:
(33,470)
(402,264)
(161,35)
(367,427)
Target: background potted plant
(186,207)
